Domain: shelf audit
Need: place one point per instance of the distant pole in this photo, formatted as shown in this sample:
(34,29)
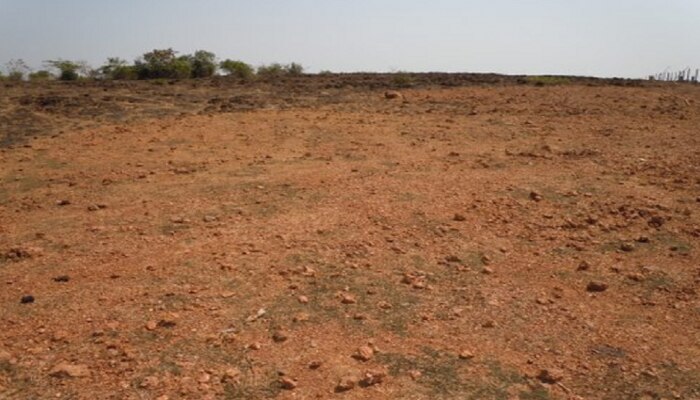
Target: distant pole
(697,72)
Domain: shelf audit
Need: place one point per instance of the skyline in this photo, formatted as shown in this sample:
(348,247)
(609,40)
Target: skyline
(631,39)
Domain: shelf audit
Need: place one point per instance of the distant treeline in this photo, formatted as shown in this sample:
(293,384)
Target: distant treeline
(156,64)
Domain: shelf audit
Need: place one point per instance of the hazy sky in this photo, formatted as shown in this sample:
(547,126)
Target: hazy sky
(630,38)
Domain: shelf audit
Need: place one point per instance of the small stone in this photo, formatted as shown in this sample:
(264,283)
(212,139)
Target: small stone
(27,299)
(550,375)
(301,317)
(209,218)
(345,384)
(231,375)
(627,247)
(65,370)
(373,378)
(288,383)
(228,294)
(487,271)
(63,202)
(255,346)
(316,364)
(151,325)
(489,324)
(280,336)
(535,196)
(596,286)
(392,94)
(62,278)
(364,353)
(583,266)
(466,355)
(204,378)
(656,221)
(459,218)
(415,374)
(453,259)
(303,299)
(347,298)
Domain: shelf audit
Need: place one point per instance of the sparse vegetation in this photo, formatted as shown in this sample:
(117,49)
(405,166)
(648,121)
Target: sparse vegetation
(67,70)
(277,70)
(546,80)
(16,69)
(41,75)
(237,69)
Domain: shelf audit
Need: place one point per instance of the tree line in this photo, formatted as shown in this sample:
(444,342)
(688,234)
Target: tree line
(156,64)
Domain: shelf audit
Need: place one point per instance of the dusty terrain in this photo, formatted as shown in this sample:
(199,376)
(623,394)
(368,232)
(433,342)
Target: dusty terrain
(479,238)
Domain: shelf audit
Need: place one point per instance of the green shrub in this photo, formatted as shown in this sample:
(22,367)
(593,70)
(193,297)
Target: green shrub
(42,75)
(547,80)
(237,69)
(277,70)
(203,64)
(117,69)
(294,69)
(402,80)
(67,70)
(16,69)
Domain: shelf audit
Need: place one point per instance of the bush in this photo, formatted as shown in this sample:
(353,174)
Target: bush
(117,69)
(277,70)
(42,75)
(203,64)
(68,70)
(294,69)
(402,80)
(16,69)
(237,69)
(162,64)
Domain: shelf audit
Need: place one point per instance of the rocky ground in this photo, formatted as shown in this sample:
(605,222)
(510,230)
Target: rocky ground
(474,237)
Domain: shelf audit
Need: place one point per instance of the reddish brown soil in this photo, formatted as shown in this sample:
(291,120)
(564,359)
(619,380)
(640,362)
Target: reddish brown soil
(316,240)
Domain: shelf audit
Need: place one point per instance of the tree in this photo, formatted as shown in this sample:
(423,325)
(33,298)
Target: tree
(203,64)
(68,70)
(163,64)
(118,69)
(42,75)
(16,69)
(237,69)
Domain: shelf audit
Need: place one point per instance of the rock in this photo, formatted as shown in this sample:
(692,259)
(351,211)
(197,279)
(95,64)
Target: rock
(583,266)
(228,294)
(392,94)
(301,317)
(63,202)
(280,336)
(597,286)
(535,196)
(487,270)
(288,383)
(65,370)
(255,346)
(550,375)
(453,259)
(466,355)
(231,375)
(627,247)
(364,353)
(62,278)
(459,218)
(303,299)
(28,299)
(656,221)
(345,384)
(151,325)
(415,374)
(209,218)
(204,378)
(372,378)
(17,254)
(489,324)
(347,298)
(316,364)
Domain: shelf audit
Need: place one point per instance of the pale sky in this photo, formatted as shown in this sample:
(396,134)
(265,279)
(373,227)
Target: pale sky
(627,38)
